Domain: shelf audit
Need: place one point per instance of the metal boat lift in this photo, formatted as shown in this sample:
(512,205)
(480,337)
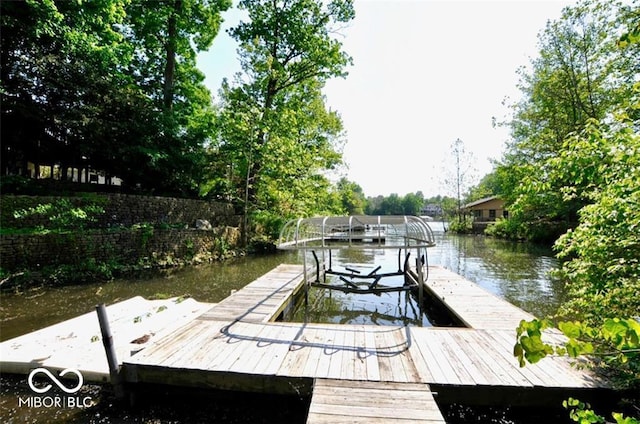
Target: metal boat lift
(410,235)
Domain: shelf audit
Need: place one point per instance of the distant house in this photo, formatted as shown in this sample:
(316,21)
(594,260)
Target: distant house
(431,210)
(487,209)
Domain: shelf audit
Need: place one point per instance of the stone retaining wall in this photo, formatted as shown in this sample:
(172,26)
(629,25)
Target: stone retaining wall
(122,210)
(28,251)
(167,231)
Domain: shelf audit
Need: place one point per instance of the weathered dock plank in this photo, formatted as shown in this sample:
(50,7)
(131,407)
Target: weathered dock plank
(504,370)
(299,352)
(425,348)
(261,300)
(451,356)
(327,351)
(188,339)
(399,354)
(268,360)
(462,364)
(472,304)
(344,401)
(373,369)
(504,341)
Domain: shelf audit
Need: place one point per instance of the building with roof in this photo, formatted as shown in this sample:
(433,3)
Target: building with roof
(487,209)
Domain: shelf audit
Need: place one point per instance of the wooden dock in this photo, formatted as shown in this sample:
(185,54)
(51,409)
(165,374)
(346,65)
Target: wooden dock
(354,373)
(240,350)
(474,306)
(340,401)
(262,300)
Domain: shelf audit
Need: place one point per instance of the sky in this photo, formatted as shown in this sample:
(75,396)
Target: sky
(424,74)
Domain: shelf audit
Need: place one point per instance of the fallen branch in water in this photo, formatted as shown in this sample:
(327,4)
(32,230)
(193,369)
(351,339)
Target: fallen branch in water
(4,280)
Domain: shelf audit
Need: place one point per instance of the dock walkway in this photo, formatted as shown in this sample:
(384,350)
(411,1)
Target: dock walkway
(349,370)
(262,300)
(472,304)
(245,350)
(339,401)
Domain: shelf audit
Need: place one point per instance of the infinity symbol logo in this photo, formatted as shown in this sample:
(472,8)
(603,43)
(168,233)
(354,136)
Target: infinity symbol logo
(55,380)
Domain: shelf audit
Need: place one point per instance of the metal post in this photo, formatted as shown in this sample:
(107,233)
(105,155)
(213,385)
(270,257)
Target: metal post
(107,341)
(420,285)
(306,285)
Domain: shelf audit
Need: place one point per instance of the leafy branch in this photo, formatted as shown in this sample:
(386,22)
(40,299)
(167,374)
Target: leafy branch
(616,341)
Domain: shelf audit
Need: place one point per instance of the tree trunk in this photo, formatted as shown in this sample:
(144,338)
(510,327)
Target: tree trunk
(170,64)
(254,166)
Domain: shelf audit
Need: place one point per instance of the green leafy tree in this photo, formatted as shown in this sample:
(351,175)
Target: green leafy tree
(412,203)
(392,205)
(282,135)
(602,254)
(615,342)
(166,39)
(489,185)
(303,143)
(374,205)
(579,75)
(59,60)
(351,197)
(110,85)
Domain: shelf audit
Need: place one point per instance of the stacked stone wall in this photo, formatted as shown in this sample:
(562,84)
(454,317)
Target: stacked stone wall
(122,210)
(166,232)
(153,246)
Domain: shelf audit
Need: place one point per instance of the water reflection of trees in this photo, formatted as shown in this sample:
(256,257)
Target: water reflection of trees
(359,256)
(333,306)
(518,272)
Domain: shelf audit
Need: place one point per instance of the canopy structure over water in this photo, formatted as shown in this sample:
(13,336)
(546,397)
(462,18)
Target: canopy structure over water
(332,232)
(410,235)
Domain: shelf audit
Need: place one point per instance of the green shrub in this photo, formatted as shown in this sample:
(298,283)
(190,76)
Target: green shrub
(461,224)
(62,214)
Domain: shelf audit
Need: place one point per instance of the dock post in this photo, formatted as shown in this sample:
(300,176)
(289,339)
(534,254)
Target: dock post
(107,341)
(420,287)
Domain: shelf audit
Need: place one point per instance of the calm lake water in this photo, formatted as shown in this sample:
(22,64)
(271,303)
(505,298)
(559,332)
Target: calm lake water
(517,272)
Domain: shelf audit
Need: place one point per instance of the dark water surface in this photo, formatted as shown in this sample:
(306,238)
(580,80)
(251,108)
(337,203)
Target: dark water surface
(24,312)
(517,272)
(514,271)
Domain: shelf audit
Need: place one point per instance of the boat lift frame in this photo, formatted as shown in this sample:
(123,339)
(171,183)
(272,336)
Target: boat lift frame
(323,234)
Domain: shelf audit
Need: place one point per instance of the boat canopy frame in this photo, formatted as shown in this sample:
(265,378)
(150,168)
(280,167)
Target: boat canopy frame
(322,234)
(330,232)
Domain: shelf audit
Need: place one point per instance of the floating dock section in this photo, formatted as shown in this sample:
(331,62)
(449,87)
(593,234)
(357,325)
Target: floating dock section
(474,306)
(76,343)
(341,401)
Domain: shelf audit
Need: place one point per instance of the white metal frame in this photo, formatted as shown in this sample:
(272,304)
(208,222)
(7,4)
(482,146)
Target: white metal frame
(403,232)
